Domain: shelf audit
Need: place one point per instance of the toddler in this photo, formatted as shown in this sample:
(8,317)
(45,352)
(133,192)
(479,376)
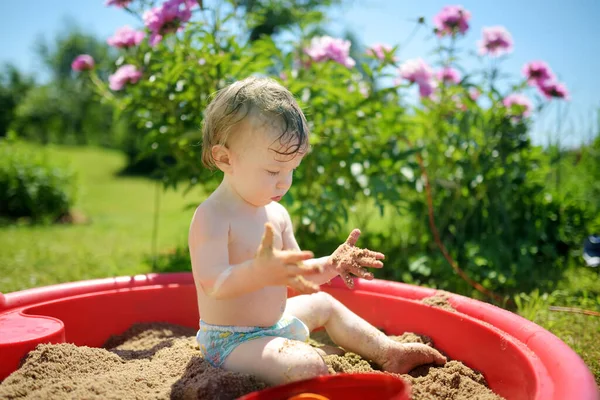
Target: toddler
(244,253)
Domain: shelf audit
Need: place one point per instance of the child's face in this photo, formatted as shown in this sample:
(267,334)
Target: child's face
(259,174)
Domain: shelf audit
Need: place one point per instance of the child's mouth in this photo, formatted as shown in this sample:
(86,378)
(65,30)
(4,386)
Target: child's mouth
(276,198)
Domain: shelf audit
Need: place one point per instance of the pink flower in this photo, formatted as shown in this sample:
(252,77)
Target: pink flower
(474,93)
(379,51)
(126,74)
(117,3)
(449,75)
(126,37)
(327,48)
(167,18)
(496,41)
(83,62)
(537,72)
(415,70)
(522,103)
(451,20)
(426,88)
(552,89)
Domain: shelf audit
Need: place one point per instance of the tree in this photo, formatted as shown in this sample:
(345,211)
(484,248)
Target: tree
(65,110)
(14,85)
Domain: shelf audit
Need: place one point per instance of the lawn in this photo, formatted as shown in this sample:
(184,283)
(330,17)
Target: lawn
(117,240)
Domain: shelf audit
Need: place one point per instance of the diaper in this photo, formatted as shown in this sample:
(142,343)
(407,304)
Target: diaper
(218,341)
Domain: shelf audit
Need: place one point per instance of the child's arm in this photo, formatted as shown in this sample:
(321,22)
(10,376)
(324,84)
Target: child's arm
(346,260)
(208,240)
(290,243)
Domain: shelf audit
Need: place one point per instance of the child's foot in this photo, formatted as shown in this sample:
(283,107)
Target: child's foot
(330,350)
(403,357)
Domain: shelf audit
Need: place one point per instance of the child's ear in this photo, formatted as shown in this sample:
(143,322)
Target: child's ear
(222,157)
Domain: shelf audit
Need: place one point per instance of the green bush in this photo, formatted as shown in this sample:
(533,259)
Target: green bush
(31,186)
(492,210)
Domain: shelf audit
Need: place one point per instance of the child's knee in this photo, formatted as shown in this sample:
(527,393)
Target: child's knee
(326,303)
(311,366)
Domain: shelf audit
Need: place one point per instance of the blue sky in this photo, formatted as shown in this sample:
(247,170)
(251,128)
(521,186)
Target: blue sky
(563,33)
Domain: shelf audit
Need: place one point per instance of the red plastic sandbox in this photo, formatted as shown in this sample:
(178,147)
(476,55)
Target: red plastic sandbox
(519,359)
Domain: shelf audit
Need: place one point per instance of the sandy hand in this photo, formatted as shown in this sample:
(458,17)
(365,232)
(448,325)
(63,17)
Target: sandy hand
(348,259)
(277,267)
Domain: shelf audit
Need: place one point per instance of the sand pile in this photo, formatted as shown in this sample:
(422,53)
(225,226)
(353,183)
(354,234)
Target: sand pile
(162,361)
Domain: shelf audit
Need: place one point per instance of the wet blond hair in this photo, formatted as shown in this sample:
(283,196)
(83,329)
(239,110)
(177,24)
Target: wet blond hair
(257,97)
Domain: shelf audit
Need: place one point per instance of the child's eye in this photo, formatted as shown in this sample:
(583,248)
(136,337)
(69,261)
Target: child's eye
(273,173)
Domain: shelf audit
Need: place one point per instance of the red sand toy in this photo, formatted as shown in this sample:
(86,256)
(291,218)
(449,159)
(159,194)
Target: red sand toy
(519,359)
(338,387)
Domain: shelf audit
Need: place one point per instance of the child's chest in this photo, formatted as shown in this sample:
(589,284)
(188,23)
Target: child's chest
(246,232)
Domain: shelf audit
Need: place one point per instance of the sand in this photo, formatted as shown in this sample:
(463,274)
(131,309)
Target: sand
(439,300)
(162,361)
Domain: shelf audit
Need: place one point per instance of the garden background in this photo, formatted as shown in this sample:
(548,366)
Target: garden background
(464,145)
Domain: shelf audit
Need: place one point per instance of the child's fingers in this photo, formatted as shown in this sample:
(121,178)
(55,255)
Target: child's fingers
(348,280)
(267,239)
(363,273)
(370,262)
(358,271)
(354,235)
(293,257)
(303,286)
(374,254)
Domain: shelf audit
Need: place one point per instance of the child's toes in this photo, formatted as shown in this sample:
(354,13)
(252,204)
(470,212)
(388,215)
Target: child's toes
(439,358)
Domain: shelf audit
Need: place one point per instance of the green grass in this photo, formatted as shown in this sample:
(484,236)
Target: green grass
(117,240)
(579,289)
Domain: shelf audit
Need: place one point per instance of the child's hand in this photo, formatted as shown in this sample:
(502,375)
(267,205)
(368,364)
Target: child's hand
(349,259)
(278,267)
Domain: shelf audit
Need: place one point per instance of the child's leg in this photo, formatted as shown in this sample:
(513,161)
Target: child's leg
(354,334)
(276,360)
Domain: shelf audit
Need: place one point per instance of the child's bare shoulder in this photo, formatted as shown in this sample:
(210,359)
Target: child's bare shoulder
(210,220)
(278,213)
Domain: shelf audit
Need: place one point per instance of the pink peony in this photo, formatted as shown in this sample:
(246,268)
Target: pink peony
(327,48)
(426,88)
(451,20)
(416,70)
(83,62)
(379,51)
(126,37)
(496,41)
(523,103)
(167,18)
(552,89)
(537,72)
(474,93)
(449,75)
(126,74)
(117,3)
